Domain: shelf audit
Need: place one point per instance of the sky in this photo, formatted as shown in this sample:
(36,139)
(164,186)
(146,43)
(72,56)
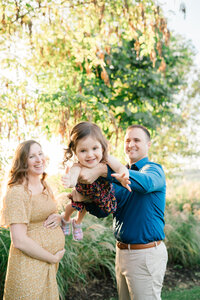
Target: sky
(188,26)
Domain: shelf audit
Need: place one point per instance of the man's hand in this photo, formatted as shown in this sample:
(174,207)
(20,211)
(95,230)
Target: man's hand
(123,180)
(88,176)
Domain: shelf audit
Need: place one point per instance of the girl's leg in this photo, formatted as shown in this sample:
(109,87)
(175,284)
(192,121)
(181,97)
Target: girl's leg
(77,231)
(66,223)
(80,216)
(68,212)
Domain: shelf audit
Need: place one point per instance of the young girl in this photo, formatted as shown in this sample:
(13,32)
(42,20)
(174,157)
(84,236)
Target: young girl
(90,147)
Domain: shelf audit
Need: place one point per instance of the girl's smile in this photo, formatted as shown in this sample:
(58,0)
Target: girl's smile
(89,152)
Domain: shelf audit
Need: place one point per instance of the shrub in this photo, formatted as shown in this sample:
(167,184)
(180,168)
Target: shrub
(182,238)
(93,255)
(4,250)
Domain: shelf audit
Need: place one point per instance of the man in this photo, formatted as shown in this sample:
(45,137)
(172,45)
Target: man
(141,255)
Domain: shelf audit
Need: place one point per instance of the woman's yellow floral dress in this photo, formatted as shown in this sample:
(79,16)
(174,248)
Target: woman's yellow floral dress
(28,278)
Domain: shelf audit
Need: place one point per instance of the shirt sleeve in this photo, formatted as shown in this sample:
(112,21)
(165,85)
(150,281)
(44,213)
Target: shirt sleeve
(16,207)
(149,179)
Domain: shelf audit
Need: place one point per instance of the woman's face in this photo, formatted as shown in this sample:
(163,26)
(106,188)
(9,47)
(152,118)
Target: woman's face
(36,160)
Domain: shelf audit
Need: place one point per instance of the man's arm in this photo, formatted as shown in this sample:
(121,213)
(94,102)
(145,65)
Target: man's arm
(116,166)
(150,178)
(121,172)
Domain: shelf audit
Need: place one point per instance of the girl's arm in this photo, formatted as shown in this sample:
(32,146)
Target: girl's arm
(70,178)
(24,243)
(120,170)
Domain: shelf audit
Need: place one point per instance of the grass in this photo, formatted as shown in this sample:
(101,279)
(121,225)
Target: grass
(182,238)
(4,251)
(182,294)
(96,253)
(179,294)
(82,260)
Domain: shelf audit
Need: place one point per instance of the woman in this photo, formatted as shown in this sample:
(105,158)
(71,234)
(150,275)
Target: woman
(37,242)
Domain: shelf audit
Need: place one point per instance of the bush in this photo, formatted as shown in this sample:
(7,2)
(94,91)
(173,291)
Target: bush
(182,238)
(4,250)
(82,260)
(95,254)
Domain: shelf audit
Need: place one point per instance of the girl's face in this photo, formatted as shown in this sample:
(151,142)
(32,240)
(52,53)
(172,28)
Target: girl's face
(89,152)
(36,160)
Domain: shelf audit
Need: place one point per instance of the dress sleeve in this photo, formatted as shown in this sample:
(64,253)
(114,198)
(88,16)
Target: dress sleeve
(16,207)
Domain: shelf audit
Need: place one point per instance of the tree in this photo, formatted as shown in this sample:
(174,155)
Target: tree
(64,41)
(111,62)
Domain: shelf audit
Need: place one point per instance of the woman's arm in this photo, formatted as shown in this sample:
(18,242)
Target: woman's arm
(22,242)
(121,172)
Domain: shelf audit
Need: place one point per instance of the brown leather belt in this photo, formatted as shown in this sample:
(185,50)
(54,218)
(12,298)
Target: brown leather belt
(123,246)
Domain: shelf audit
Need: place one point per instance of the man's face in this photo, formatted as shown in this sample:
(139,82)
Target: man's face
(136,144)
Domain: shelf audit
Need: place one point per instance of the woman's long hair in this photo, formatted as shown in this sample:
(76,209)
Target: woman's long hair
(19,168)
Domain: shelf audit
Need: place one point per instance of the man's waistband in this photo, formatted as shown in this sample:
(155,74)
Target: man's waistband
(124,246)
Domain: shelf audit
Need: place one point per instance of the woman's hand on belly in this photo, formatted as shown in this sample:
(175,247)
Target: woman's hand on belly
(59,255)
(53,221)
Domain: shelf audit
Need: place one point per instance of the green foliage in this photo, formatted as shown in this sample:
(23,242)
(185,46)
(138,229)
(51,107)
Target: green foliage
(110,62)
(137,91)
(183,219)
(82,260)
(182,238)
(182,294)
(105,61)
(93,255)
(179,294)
(4,251)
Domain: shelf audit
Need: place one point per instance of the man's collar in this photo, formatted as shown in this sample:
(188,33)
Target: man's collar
(140,163)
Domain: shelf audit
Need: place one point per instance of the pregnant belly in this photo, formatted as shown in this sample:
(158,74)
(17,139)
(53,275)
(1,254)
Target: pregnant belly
(52,240)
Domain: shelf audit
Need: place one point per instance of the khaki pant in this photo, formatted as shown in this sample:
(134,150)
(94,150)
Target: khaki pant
(140,273)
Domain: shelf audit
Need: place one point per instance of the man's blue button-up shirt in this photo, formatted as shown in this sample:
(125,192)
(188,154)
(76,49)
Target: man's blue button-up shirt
(139,218)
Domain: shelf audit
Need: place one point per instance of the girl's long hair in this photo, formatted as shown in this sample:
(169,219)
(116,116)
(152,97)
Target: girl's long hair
(80,131)
(19,168)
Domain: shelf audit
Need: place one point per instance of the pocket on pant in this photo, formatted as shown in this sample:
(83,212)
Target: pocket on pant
(156,259)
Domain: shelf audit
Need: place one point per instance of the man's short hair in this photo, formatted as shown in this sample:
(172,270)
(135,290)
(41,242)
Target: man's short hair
(146,131)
